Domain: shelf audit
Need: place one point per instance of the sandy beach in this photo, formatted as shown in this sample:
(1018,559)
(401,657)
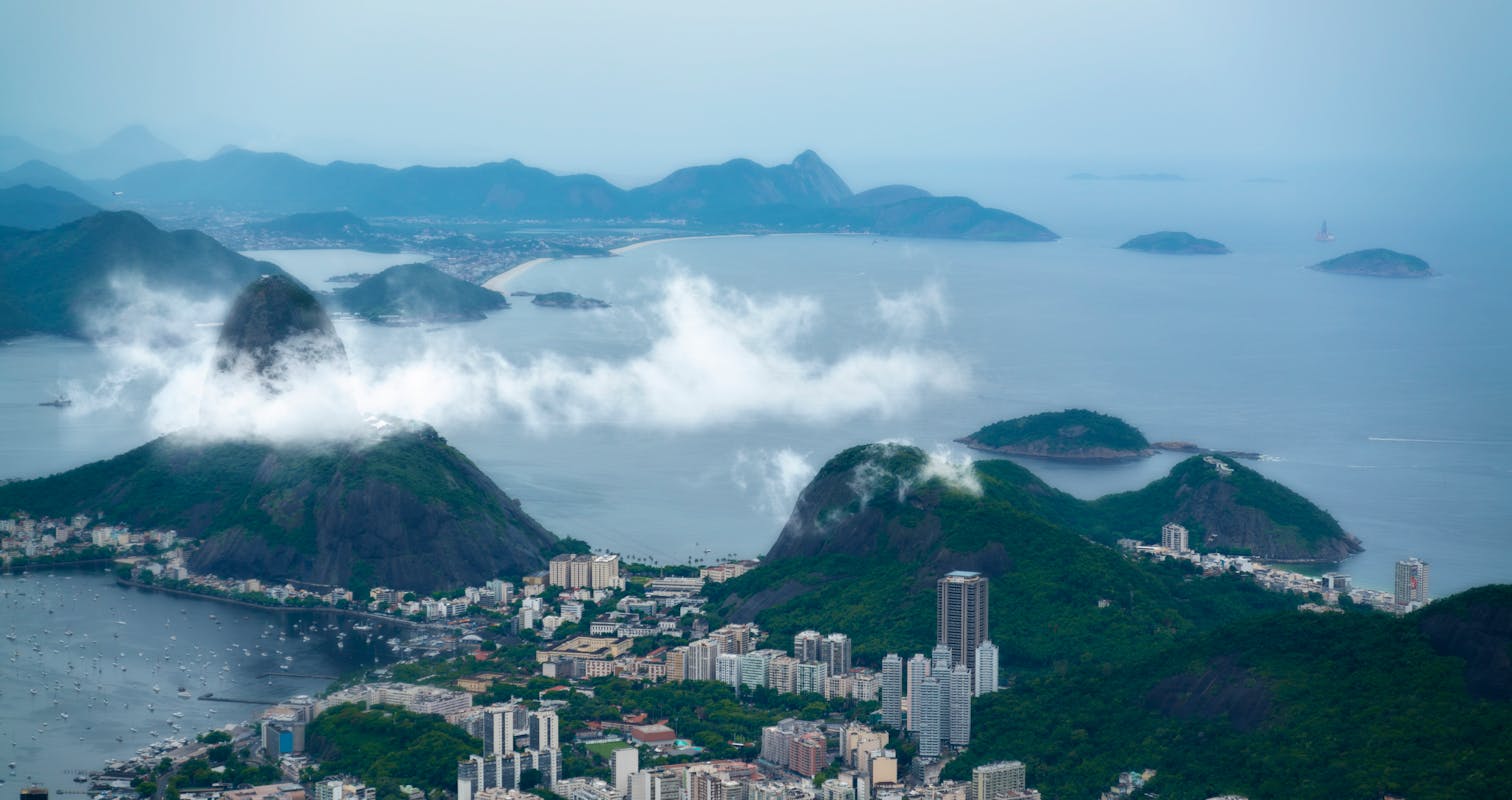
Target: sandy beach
(498,283)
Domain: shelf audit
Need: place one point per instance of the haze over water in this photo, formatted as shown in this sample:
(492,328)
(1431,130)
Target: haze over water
(1381,400)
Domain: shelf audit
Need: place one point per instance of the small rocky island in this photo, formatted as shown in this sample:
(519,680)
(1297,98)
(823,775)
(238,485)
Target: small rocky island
(1075,434)
(1178,243)
(567,300)
(1378,263)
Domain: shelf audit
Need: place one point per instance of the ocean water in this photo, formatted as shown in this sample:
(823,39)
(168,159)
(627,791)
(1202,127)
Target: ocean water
(93,669)
(1383,401)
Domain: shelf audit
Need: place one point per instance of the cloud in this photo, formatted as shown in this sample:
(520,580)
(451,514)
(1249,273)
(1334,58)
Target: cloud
(910,314)
(712,357)
(775,477)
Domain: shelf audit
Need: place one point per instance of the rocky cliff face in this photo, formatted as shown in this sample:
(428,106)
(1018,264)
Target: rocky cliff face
(275,325)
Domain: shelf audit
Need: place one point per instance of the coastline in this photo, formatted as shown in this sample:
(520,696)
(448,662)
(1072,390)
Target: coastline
(278,609)
(498,282)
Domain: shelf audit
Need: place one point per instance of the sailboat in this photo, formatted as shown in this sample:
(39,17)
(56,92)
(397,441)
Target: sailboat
(1323,234)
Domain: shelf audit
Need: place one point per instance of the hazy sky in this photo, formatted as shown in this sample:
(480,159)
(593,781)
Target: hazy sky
(630,89)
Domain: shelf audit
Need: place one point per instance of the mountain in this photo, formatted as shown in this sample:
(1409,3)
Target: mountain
(32,208)
(1075,434)
(342,225)
(725,190)
(1378,263)
(1174,243)
(419,292)
(127,149)
(56,278)
(1116,664)
(407,511)
(885,196)
(804,195)
(393,505)
(1305,706)
(879,524)
(42,174)
(275,327)
(15,150)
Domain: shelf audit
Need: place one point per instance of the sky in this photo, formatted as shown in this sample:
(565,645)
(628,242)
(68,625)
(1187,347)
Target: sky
(631,90)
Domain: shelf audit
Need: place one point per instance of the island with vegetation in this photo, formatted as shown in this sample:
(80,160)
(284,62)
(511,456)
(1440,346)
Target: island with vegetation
(566,300)
(1075,434)
(1377,263)
(418,293)
(1179,243)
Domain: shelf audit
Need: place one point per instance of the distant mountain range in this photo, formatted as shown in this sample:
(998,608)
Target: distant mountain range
(804,195)
(127,149)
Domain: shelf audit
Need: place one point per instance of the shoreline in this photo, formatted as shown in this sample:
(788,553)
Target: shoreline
(274,608)
(498,282)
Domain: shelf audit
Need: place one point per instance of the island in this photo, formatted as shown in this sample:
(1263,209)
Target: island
(567,300)
(1075,434)
(1377,263)
(1178,243)
(418,293)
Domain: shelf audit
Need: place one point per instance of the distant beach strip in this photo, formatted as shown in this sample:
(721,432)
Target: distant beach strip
(499,282)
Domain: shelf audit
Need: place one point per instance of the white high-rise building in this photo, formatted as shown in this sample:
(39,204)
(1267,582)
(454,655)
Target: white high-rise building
(835,650)
(499,728)
(626,762)
(892,691)
(727,669)
(918,670)
(702,657)
(1173,537)
(985,669)
(997,780)
(926,704)
(960,706)
(545,730)
(1411,582)
(939,667)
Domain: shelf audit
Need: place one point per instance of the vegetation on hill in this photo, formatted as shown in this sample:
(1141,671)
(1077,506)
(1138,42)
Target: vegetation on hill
(34,208)
(1379,262)
(387,747)
(1290,705)
(566,300)
(1073,434)
(407,511)
(1116,664)
(873,532)
(1174,243)
(52,281)
(1237,511)
(419,292)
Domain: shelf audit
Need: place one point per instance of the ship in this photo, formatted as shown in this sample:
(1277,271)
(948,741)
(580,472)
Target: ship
(61,401)
(1323,234)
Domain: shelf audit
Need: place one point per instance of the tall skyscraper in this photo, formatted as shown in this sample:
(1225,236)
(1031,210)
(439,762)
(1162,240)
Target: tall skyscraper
(892,691)
(962,613)
(985,670)
(941,659)
(544,730)
(806,645)
(835,650)
(960,706)
(927,703)
(996,780)
(918,669)
(1411,582)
